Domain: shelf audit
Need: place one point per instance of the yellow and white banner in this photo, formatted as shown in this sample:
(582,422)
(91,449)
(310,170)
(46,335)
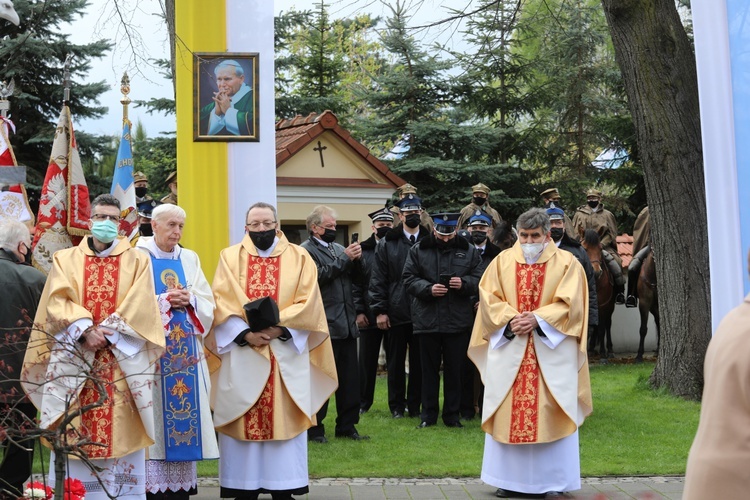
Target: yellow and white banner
(218,181)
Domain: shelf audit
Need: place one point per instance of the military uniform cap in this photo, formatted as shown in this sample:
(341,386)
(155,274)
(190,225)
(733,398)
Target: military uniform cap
(480,188)
(445,222)
(409,202)
(139,176)
(382,214)
(407,189)
(594,192)
(146,207)
(555,212)
(171,178)
(480,218)
(550,193)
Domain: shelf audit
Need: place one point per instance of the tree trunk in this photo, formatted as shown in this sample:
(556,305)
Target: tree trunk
(658,68)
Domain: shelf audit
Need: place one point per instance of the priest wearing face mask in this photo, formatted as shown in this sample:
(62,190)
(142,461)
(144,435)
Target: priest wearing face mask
(270,382)
(529,344)
(480,200)
(338,269)
(98,309)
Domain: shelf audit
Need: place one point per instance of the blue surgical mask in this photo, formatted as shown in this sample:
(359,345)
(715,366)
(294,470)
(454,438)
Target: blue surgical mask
(104,231)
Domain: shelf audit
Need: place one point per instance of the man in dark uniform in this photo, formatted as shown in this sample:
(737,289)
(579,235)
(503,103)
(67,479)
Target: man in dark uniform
(338,267)
(22,288)
(442,276)
(565,242)
(370,335)
(471,388)
(551,195)
(392,307)
(402,192)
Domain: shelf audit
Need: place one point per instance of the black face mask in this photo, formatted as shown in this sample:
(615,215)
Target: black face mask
(478,200)
(140,192)
(329,236)
(593,204)
(557,233)
(26,258)
(381,231)
(478,237)
(412,220)
(146,230)
(444,244)
(262,239)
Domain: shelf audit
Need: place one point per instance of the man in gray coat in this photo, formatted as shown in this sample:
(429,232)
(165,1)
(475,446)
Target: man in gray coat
(337,268)
(22,287)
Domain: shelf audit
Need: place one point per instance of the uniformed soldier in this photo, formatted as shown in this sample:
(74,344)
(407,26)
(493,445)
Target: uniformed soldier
(171,183)
(145,208)
(140,182)
(406,189)
(551,195)
(480,200)
(641,248)
(594,216)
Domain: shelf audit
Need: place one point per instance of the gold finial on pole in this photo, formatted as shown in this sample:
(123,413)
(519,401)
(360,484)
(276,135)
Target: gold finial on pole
(125,89)
(66,79)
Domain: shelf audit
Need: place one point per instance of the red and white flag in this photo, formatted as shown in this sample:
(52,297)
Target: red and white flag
(14,203)
(64,207)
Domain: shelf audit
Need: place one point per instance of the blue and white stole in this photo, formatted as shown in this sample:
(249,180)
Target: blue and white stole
(179,372)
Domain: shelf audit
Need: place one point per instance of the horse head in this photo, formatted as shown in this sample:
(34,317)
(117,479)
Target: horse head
(593,246)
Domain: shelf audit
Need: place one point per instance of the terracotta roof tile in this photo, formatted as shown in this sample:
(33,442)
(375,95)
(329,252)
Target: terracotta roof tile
(625,249)
(293,135)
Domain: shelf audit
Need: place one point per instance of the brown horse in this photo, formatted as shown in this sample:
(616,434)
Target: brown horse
(605,294)
(648,302)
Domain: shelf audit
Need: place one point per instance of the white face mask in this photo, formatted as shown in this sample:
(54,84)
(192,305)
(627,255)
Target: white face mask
(532,250)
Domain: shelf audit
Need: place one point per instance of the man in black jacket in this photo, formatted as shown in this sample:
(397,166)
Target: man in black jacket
(471,385)
(442,275)
(565,242)
(22,287)
(370,335)
(392,307)
(338,267)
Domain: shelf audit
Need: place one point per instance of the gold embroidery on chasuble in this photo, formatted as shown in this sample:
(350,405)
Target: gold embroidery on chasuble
(524,419)
(262,281)
(101,278)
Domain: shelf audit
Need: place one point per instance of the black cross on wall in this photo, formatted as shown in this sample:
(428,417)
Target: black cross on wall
(320,149)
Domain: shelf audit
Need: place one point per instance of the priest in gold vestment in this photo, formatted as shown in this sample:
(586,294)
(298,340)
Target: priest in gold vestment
(98,328)
(270,383)
(529,344)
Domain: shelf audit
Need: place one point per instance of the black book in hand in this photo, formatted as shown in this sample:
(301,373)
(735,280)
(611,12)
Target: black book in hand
(261,314)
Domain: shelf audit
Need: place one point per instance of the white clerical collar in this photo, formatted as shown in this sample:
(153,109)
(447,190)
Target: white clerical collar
(244,89)
(149,243)
(268,251)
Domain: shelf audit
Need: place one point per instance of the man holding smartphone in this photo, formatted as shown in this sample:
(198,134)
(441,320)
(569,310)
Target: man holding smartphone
(442,275)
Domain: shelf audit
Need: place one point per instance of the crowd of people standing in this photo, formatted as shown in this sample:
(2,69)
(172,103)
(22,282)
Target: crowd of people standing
(283,327)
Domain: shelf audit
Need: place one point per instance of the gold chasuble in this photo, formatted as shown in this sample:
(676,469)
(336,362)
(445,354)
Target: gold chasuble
(270,392)
(115,292)
(533,393)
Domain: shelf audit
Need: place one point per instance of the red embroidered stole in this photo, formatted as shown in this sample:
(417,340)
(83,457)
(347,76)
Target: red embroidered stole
(262,281)
(101,279)
(525,403)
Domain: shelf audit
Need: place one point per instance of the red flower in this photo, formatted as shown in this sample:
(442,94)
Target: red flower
(74,490)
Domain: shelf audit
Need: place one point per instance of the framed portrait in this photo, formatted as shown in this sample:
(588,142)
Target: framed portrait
(225,96)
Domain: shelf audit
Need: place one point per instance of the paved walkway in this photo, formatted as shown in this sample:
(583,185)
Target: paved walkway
(593,488)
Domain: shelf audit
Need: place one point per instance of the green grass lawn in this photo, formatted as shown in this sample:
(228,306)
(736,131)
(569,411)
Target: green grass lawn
(632,431)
